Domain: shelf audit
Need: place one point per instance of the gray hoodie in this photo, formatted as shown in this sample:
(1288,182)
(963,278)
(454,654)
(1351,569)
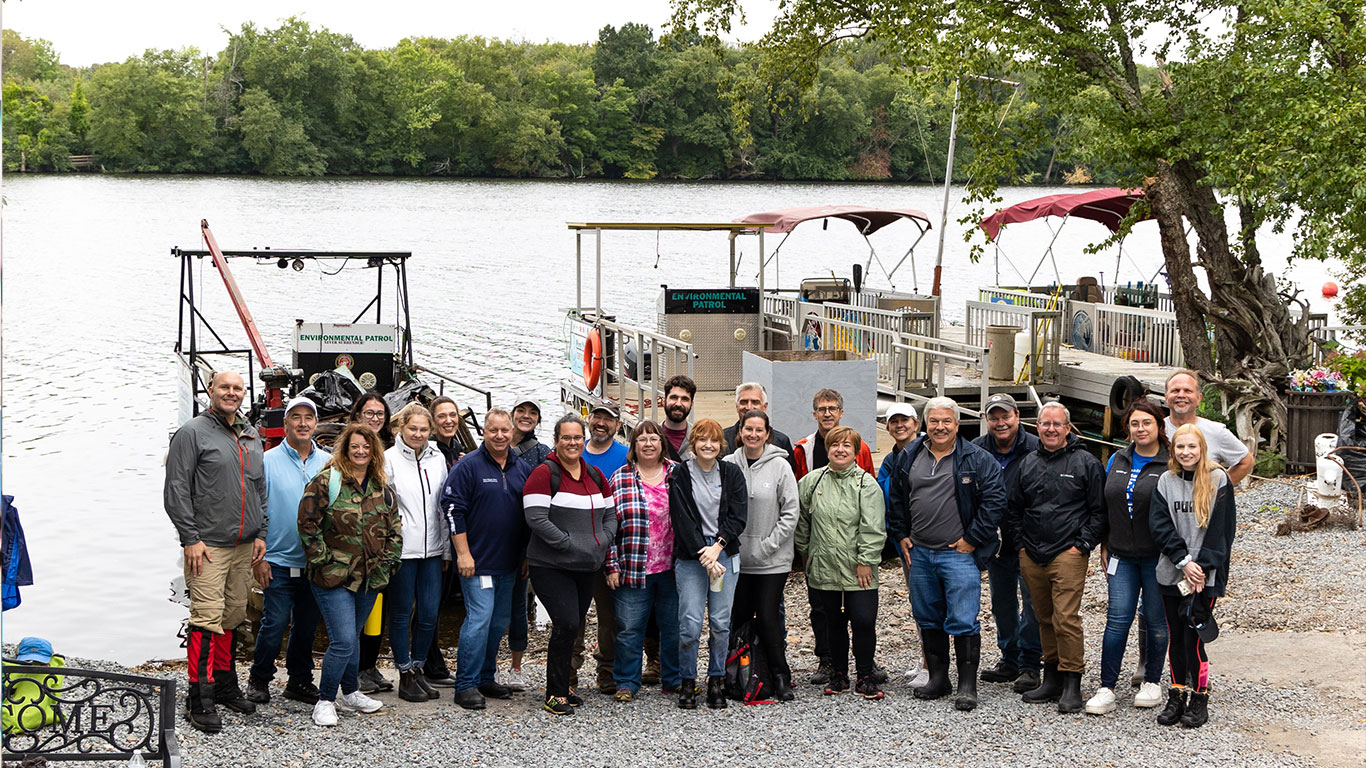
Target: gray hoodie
(766,544)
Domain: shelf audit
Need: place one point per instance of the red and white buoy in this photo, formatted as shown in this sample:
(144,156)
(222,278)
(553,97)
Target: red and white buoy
(1330,290)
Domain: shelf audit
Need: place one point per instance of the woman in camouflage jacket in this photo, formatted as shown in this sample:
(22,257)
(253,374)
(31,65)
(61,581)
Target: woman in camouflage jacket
(350,528)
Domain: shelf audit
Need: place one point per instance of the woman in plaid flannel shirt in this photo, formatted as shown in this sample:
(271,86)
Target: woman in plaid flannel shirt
(640,562)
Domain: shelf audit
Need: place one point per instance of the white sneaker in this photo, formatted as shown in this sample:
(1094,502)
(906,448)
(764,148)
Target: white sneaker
(1102,703)
(920,677)
(359,702)
(1149,695)
(514,679)
(324,713)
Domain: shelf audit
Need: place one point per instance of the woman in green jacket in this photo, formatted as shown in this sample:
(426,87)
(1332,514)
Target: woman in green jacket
(350,528)
(840,534)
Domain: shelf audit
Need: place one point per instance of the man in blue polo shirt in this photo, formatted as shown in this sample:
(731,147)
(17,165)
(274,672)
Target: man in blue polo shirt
(288,597)
(482,500)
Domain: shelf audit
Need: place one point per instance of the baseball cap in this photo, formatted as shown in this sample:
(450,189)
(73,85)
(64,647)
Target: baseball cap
(34,649)
(900,409)
(527,400)
(1200,617)
(1001,400)
(609,408)
(301,400)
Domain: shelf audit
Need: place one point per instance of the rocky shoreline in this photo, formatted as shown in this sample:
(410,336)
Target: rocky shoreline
(1286,691)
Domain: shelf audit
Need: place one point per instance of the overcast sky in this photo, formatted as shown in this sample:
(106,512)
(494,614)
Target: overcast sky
(88,32)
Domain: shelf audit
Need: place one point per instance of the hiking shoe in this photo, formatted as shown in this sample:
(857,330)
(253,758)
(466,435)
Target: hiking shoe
(823,672)
(495,690)
(371,681)
(624,695)
(448,681)
(838,683)
(325,713)
(305,692)
(574,699)
(258,691)
(1103,703)
(867,688)
(651,674)
(1003,672)
(1197,710)
(558,705)
(1149,695)
(879,674)
(359,702)
(1176,706)
(1027,681)
(470,698)
(514,679)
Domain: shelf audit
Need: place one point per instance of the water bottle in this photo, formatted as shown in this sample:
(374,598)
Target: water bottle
(136,761)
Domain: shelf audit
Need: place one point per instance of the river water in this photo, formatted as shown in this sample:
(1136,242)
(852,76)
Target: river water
(90,300)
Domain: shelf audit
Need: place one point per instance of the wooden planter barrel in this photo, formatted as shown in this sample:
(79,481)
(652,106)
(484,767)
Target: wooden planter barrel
(1310,414)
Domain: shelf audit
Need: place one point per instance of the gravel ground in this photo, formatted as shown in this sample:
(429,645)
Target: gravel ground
(1305,582)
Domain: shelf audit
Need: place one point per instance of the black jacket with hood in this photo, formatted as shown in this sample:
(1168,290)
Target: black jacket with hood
(1056,502)
(687,520)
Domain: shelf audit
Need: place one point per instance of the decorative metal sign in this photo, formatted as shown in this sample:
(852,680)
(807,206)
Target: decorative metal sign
(76,714)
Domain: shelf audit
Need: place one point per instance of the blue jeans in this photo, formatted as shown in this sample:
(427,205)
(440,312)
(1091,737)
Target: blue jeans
(416,582)
(1132,577)
(518,628)
(487,612)
(946,591)
(694,597)
(633,608)
(1017,630)
(344,612)
(288,604)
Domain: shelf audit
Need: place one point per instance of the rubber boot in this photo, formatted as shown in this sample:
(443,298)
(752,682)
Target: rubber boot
(1176,706)
(408,689)
(716,692)
(1049,690)
(1070,702)
(782,686)
(1197,710)
(968,651)
(687,694)
(936,644)
(226,690)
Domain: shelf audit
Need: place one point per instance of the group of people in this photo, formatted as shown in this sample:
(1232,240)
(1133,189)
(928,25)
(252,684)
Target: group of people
(691,526)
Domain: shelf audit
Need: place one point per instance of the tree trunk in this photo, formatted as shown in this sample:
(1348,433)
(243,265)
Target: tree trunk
(1167,206)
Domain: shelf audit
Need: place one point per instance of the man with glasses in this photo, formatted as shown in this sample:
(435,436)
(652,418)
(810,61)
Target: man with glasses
(751,396)
(1056,516)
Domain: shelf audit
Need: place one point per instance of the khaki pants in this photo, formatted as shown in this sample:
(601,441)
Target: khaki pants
(218,595)
(1055,590)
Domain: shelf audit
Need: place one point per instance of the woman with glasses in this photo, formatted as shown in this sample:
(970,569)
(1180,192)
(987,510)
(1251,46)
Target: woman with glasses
(640,563)
(568,506)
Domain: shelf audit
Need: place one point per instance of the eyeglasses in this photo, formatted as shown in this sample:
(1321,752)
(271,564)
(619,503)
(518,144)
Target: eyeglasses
(571,438)
(1052,425)
(829,409)
(648,439)
(372,414)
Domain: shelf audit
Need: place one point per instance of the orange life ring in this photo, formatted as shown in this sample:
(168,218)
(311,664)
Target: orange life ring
(592,359)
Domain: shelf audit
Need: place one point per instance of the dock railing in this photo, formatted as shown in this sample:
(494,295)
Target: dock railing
(1044,327)
(1141,335)
(1013,296)
(939,355)
(1327,339)
(779,323)
(637,384)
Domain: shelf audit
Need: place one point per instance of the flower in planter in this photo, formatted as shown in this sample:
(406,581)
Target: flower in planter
(1317,379)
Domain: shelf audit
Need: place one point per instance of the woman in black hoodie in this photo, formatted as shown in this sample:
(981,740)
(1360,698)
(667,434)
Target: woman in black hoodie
(1129,556)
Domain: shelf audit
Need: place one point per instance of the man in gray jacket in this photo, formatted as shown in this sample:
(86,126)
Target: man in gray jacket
(215,494)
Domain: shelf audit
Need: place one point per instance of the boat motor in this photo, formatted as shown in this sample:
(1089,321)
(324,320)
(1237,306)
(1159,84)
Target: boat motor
(1326,488)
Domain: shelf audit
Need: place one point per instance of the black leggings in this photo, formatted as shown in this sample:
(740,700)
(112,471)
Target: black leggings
(1185,651)
(761,595)
(843,609)
(566,596)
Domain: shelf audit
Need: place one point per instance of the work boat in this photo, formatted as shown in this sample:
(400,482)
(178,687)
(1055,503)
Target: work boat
(331,362)
(841,333)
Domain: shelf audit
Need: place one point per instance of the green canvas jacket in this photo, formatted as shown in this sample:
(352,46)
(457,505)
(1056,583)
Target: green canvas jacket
(354,541)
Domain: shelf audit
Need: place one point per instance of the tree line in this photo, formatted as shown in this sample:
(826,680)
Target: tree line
(299,100)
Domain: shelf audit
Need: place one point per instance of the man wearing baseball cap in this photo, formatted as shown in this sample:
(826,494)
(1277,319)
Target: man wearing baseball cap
(1017,631)
(288,597)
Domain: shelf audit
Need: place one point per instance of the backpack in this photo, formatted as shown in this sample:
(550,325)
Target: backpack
(748,678)
(557,475)
(334,489)
(28,706)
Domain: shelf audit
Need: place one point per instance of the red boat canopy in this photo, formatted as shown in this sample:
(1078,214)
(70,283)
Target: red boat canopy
(1107,206)
(868,220)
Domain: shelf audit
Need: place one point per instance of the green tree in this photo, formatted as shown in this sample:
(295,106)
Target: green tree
(626,54)
(78,118)
(276,144)
(147,113)
(34,136)
(25,59)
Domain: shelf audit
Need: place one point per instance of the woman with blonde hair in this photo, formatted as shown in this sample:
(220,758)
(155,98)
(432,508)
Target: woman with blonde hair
(1193,520)
(350,530)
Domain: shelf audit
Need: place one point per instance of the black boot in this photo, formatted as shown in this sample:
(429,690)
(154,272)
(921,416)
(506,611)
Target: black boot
(716,692)
(201,711)
(1197,710)
(427,688)
(687,694)
(1176,706)
(968,650)
(936,644)
(782,686)
(1026,682)
(1003,672)
(258,691)
(1049,690)
(1070,702)
(227,692)
(408,689)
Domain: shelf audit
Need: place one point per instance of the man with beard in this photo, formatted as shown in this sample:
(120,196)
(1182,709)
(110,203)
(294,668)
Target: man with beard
(678,394)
